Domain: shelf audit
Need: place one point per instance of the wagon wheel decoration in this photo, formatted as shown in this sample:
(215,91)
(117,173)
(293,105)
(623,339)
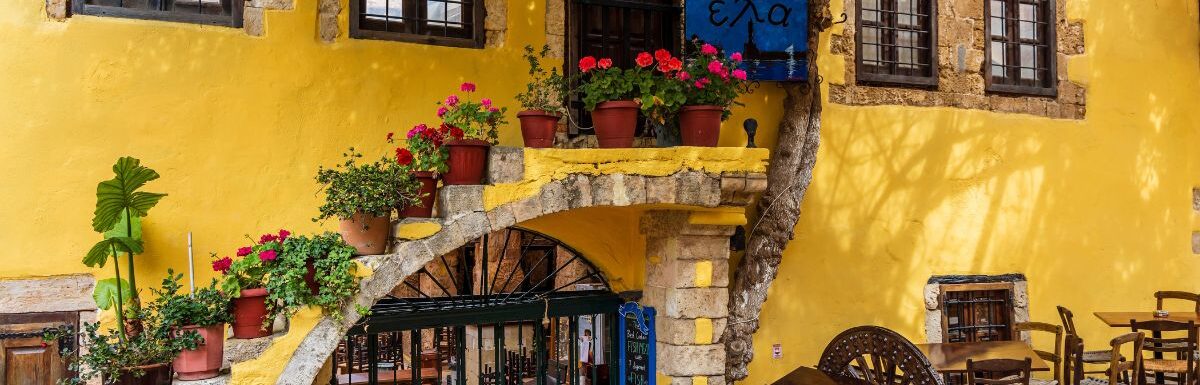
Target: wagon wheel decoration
(877,356)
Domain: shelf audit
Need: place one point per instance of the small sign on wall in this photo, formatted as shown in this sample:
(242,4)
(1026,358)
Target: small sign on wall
(777,351)
(771,34)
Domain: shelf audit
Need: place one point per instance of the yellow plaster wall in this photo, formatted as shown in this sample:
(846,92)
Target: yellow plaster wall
(1097,213)
(236,125)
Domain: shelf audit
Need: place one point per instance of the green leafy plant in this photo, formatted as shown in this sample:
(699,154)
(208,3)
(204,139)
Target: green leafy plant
(664,91)
(372,188)
(334,270)
(715,79)
(424,149)
(546,89)
(108,356)
(206,307)
(254,265)
(119,209)
(470,119)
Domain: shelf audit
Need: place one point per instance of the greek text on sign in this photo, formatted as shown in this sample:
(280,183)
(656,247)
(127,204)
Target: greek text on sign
(771,34)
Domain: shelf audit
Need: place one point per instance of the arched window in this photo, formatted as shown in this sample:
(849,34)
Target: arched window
(514,307)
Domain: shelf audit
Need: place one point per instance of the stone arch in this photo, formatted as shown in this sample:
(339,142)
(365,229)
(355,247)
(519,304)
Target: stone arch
(527,184)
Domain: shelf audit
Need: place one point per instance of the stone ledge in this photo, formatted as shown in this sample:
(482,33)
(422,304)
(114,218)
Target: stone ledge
(47,294)
(239,350)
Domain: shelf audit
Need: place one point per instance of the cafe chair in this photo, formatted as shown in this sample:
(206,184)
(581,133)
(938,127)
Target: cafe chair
(1168,339)
(1072,360)
(1000,371)
(1097,357)
(1052,356)
(1120,371)
(1194,298)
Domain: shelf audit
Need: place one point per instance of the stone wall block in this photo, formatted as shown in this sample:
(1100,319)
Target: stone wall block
(56,10)
(527,208)
(698,188)
(506,164)
(691,360)
(629,190)
(459,199)
(554,197)
(271,4)
(579,191)
(675,331)
(602,190)
(501,217)
(253,21)
(327,21)
(239,350)
(703,247)
(697,303)
(661,189)
(47,294)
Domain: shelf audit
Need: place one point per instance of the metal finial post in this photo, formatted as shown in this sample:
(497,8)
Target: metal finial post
(751,127)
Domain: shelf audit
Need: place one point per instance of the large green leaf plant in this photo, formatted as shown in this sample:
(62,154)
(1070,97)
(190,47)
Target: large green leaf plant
(119,209)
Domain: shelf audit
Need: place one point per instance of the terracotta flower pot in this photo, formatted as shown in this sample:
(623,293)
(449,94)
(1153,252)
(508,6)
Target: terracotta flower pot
(428,193)
(250,313)
(700,125)
(538,128)
(310,277)
(156,374)
(615,123)
(366,232)
(468,161)
(205,361)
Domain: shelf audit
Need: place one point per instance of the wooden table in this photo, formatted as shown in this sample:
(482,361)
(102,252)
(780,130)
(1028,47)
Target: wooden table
(952,357)
(1121,318)
(812,376)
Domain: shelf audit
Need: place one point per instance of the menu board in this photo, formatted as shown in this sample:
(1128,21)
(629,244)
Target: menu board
(635,343)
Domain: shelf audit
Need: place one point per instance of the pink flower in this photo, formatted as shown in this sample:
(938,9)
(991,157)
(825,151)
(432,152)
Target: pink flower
(698,84)
(737,56)
(708,49)
(267,255)
(683,75)
(267,238)
(739,74)
(705,80)
(467,87)
(244,251)
(417,129)
(441,112)
(493,110)
(487,102)
(715,67)
(284,234)
(222,265)
(452,100)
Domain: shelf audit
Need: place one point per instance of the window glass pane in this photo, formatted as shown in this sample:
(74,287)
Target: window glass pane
(435,12)
(1028,61)
(454,13)
(870,45)
(904,13)
(998,53)
(1028,18)
(997,18)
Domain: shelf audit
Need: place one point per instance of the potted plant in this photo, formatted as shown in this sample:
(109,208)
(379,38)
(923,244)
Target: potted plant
(715,84)
(472,130)
(246,279)
(362,196)
(424,158)
(542,101)
(610,92)
(203,312)
(663,95)
(135,359)
(326,255)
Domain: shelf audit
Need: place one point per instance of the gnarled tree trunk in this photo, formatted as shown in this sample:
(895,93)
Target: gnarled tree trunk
(788,178)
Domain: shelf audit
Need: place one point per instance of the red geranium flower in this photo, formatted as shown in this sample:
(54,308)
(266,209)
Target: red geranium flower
(587,63)
(456,133)
(605,63)
(467,87)
(284,234)
(267,255)
(644,59)
(662,55)
(675,64)
(403,156)
(242,252)
(267,238)
(222,265)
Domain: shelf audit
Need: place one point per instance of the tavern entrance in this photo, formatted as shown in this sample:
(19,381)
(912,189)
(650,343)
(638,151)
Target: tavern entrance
(514,307)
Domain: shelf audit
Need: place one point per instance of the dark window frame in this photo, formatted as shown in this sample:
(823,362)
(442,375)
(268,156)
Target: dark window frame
(414,33)
(233,20)
(978,295)
(863,76)
(1012,47)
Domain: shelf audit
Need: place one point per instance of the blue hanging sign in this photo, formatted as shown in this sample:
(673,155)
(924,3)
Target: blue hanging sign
(635,344)
(771,34)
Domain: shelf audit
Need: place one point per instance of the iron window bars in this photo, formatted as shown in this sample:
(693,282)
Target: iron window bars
(1021,49)
(455,23)
(897,42)
(226,13)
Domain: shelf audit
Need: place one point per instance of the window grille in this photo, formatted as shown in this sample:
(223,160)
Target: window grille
(213,12)
(896,42)
(1021,47)
(457,23)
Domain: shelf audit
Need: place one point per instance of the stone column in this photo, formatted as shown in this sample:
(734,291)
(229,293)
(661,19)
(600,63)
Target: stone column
(687,281)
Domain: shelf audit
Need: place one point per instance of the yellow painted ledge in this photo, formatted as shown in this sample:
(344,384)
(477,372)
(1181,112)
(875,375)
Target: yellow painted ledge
(545,165)
(418,230)
(267,367)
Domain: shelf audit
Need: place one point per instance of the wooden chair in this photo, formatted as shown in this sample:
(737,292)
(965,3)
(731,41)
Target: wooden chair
(1000,371)
(1194,298)
(1072,360)
(1098,357)
(1119,369)
(1053,356)
(1168,337)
